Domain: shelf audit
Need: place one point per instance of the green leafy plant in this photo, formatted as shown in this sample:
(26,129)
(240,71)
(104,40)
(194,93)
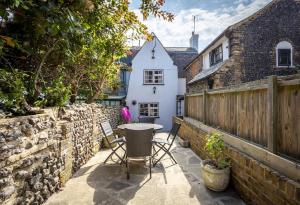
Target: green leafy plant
(215,146)
(13,91)
(55,95)
(86,38)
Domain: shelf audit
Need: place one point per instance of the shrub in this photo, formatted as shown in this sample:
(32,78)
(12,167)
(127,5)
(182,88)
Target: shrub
(13,91)
(55,95)
(215,146)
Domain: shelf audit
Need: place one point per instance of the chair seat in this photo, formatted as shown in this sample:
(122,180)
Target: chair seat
(121,139)
(161,141)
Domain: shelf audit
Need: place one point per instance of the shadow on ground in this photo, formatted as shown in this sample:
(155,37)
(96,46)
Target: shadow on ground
(98,183)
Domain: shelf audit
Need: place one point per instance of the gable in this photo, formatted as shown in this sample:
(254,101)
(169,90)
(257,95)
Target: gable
(153,53)
(181,57)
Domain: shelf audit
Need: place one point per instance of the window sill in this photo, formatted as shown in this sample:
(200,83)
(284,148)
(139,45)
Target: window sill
(281,66)
(153,84)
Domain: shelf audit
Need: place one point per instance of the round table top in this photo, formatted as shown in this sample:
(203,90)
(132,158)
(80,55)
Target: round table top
(140,126)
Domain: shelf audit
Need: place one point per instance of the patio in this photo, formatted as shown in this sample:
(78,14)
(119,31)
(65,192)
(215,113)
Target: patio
(98,183)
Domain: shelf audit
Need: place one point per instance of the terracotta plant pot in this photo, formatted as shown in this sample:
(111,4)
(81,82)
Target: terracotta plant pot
(215,179)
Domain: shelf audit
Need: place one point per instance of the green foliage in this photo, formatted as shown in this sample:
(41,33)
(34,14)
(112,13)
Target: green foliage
(12,90)
(56,94)
(86,38)
(215,146)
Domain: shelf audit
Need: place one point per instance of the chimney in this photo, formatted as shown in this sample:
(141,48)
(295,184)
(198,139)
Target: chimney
(194,41)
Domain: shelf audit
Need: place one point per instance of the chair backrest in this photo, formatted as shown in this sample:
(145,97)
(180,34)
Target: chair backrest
(106,129)
(146,120)
(174,131)
(138,142)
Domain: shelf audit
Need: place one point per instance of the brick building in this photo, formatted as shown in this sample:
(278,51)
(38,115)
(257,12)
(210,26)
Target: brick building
(266,43)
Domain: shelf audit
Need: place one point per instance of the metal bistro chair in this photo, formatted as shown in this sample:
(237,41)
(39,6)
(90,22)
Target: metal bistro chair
(146,120)
(138,144)
(166,144)
(107,131)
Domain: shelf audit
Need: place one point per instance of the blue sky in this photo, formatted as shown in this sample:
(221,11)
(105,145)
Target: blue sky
(214,17)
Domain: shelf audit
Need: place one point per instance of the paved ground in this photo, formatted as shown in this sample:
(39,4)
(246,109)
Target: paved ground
(98,183)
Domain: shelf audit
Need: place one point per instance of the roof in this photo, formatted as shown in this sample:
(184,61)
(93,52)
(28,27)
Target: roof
(205,73)
(181,57)
(115,97)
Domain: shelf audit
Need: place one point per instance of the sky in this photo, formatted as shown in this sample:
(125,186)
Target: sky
(213,17)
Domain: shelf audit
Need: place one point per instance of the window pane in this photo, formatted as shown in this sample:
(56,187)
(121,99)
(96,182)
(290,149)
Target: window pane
(144,110)
(149,109)
(284,57)
(216,55)
(153,76)
(148,75)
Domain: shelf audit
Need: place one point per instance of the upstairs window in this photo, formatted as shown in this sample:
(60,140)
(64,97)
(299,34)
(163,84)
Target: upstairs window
(216,55)
(149,110)
(153,77)
(284,53)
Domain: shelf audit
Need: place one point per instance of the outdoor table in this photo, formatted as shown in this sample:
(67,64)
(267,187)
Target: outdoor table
(140,126)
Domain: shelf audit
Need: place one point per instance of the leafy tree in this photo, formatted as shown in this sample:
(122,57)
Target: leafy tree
(66,47)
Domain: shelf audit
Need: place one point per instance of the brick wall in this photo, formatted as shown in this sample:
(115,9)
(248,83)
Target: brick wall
(194,68)
(256,183)
(260,35)
(253,46)
(40,153)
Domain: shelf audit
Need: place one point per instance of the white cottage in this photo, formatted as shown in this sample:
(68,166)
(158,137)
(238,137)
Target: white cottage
(157,80)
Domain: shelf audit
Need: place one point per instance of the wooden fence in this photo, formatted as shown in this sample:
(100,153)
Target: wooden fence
(266,113)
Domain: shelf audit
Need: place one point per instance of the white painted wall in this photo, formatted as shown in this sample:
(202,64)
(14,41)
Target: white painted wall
(165,94)
(181,86)
(225,45)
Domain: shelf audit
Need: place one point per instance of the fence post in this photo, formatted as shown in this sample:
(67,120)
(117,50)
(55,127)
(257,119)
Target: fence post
(204,106)
(272,114)
(185,114)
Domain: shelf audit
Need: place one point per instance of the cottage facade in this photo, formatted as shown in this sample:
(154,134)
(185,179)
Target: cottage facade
(157,81)
(266,43)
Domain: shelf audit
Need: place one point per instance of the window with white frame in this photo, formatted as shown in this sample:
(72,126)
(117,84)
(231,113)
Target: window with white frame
(216,55)
(153,77)
(284,54)
(149,109)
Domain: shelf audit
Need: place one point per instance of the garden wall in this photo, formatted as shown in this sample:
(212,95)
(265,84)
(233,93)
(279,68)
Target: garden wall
(256,182)
(39,153)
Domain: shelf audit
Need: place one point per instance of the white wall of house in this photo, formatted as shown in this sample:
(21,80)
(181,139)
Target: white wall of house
(181,86)
(165,94)
(225,45)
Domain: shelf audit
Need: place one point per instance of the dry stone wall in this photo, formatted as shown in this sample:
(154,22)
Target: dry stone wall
(39,153)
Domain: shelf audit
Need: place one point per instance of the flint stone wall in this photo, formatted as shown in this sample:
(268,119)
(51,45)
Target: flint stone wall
(39,153)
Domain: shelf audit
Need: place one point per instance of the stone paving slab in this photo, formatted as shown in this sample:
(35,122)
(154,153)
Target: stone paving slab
(98,183)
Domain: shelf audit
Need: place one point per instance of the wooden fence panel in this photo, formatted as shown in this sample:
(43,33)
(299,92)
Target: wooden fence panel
(289,121)
(242,114)
(267,114)
(195,107)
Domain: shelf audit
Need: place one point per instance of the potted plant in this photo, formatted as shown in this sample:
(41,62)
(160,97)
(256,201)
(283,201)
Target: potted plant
(216,171)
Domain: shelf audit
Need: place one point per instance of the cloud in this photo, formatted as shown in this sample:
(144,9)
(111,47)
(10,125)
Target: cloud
(209,25)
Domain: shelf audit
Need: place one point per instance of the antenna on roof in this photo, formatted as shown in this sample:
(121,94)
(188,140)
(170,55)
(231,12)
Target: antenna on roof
(195,18)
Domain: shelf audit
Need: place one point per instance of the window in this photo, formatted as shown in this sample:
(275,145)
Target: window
(216,55)
(123,77)
(284,53)
(179,108)
(149,110)
(153,77)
